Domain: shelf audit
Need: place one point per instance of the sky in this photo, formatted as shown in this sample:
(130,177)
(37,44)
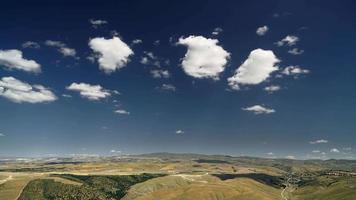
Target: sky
(257,78)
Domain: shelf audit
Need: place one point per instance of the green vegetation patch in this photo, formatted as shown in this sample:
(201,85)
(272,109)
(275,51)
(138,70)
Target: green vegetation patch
(92,188)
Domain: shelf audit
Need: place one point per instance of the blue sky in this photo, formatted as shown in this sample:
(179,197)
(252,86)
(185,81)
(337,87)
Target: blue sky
(271,78)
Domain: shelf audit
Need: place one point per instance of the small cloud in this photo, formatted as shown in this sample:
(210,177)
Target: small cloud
(136,41)
(261,31)
(270,153)
(217,31)
(316,151)
(180,131)
(30,44)
(96,23)
(321,141)
(122,112)
(160,73)
(291,157)
(296,51)
(67,95)
(91,92)
(150,59)
(62,48)
(272,88)
(113,151)
(2,135)
(257,68)
(112,54)
(157,42)
(334,150)
(168,87)
(204,58)
(13,59)
(289,40)
(257,109)
(19,92)
(295,71)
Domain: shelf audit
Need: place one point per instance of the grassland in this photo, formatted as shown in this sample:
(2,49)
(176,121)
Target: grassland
(187,176)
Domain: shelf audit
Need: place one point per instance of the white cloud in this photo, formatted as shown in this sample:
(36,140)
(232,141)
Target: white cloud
(18,91)
(262,30)
(97,22)
(122,112)
(179,131)
(150,59)
(334,150)
(159,73)
(316,151)
(68,51)
(217,31)
(291,157)
(67,95)
(115,151)
(30,44)
(2,135)
(136,41)
(320,141)
(272,88)
(255,69)
(62,48)
(289,40)
(157,42)
(296,51)
(113,53)
(204,57)
(13,59)
(270,153)
(295,70)
(257,109)
(91,92)
(168,87)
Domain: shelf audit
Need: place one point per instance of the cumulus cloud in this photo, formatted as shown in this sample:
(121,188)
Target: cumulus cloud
(13,59)
(204,57)
(296,51)
(113,53)
(19,92)
(258,109)
(91,92)
(289,40)
(272,88)
(255,69)
(334,150)
(179,131)
(96,23)
(159,73)
(122,112)
(62,48)
(294,71)
(30,44)
(261,31)
(320,141)
(217,31)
